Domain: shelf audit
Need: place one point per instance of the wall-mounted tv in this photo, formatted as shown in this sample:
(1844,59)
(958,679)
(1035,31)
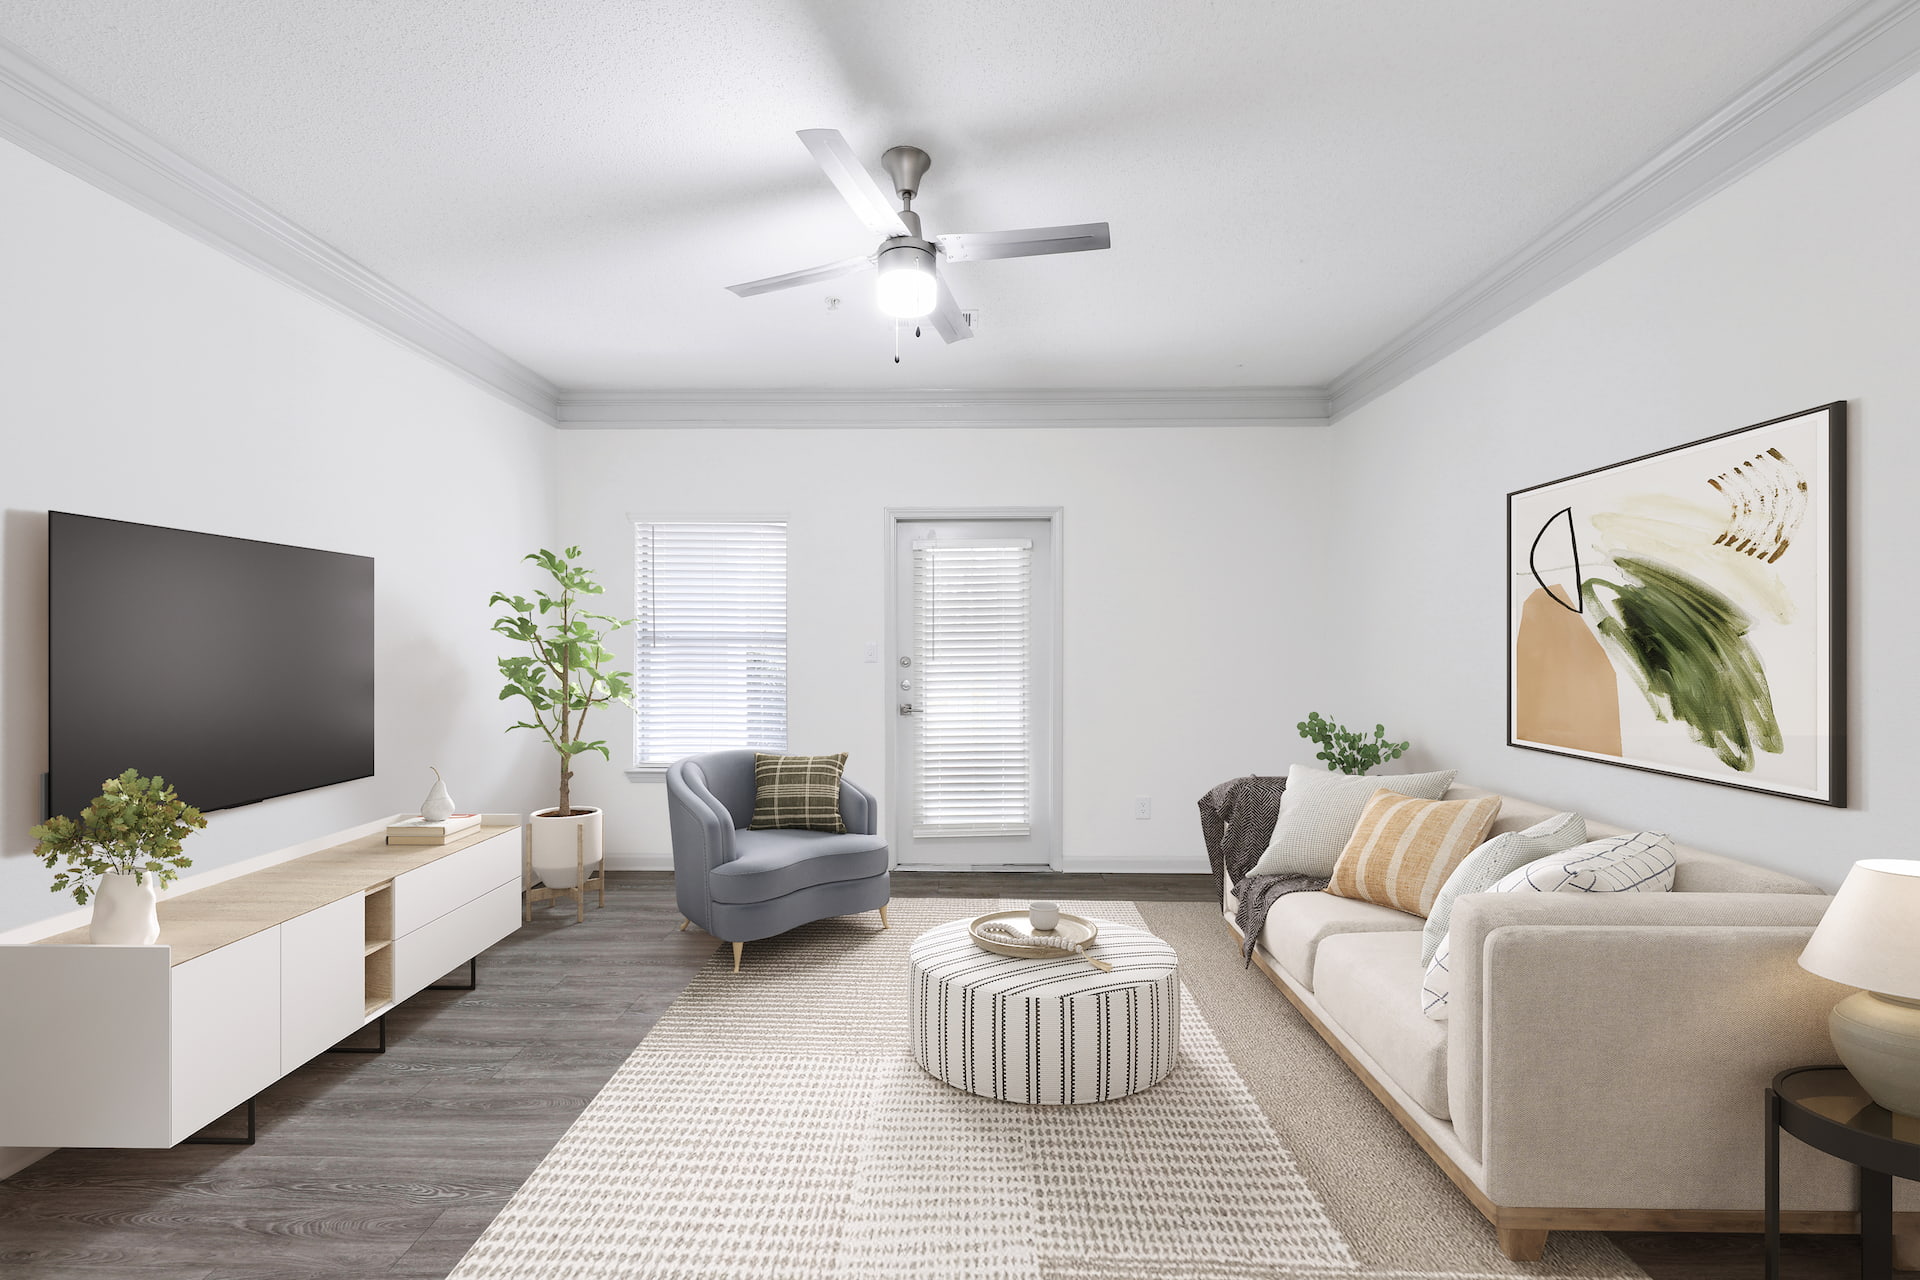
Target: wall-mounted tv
(239,670)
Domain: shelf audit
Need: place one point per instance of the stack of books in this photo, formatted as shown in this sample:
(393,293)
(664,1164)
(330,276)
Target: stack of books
(420,831)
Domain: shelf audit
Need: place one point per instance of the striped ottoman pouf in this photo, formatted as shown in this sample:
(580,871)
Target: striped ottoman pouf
(1051,1031)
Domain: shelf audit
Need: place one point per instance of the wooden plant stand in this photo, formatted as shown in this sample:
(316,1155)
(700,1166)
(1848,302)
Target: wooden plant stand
(578,891)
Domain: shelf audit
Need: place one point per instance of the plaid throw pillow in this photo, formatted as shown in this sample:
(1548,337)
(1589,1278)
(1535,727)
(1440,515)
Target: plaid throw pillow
(797,792)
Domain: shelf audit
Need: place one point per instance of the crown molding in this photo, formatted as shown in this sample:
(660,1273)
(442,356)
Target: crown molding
(805,407)
(59,124)
(1853,59)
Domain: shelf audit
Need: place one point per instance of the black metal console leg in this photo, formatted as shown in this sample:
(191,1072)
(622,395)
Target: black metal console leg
(252,1130)
(380,1023)
(473,979)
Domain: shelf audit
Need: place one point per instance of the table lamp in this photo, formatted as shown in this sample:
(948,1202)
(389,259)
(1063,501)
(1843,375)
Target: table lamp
(1870,938)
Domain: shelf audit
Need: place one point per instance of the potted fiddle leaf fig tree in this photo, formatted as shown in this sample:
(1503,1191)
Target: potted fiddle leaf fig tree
(564,675)
(124,845)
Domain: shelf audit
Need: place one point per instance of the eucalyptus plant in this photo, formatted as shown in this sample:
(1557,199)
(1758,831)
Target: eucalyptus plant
(1348,750)
(133,827)
(565,673)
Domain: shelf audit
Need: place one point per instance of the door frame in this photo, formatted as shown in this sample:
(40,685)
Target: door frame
(1052,763)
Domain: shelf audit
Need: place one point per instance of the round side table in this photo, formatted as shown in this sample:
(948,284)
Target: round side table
(1827,1109)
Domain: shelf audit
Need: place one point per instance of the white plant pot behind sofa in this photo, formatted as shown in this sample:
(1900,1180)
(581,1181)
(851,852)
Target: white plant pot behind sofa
(1604,1064)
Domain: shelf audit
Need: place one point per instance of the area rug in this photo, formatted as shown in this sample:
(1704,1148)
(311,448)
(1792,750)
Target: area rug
(773,1126)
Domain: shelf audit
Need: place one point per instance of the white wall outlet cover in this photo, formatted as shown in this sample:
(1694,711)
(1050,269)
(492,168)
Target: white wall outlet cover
(1143,808)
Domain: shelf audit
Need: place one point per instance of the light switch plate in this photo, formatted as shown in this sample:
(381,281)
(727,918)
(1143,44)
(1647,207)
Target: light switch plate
(872,653)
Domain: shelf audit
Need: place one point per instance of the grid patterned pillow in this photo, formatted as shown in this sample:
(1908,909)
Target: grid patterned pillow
(797,793)
(1638,863)
(1498,857)
(1404,849)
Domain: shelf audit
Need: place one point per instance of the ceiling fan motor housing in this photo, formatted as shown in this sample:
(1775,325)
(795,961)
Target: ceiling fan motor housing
(903,254)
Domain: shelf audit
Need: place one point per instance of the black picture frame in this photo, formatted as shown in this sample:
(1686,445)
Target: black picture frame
(1833,734)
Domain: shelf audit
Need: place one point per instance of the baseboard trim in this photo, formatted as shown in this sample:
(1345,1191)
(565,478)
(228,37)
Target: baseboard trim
(1152,864)
(639,861)
(14,1159)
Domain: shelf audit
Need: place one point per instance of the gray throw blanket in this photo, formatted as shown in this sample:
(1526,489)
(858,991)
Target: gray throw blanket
(1237,820)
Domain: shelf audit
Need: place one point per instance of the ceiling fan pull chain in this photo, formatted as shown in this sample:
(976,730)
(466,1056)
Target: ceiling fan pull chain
(896,342)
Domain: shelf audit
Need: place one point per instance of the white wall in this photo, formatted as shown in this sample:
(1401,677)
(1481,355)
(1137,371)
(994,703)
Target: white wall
(1194,613)
(150,378)
(1797,286)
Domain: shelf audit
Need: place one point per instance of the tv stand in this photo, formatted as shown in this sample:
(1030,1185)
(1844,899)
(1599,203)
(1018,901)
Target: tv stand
(252,977)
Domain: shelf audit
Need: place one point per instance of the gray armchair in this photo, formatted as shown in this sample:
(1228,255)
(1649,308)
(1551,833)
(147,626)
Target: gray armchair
(742,885)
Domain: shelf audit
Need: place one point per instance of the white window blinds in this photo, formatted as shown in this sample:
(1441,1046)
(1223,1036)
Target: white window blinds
(710,637)
(973,648)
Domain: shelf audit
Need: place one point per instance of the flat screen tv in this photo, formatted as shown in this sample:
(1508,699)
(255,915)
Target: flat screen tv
(238,670)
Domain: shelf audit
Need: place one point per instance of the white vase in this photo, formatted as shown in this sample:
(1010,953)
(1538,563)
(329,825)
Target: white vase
(125,912)
(561,845)
(438,806)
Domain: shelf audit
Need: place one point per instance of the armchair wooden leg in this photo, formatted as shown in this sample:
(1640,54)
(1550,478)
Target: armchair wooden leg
(1520,1245)
(738,947)
(883,918)
(684,922)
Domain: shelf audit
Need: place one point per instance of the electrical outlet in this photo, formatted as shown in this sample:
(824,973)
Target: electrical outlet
(872,654)
(1143,808)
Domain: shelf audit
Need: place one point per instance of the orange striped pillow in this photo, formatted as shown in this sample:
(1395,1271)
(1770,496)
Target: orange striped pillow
(1404,849)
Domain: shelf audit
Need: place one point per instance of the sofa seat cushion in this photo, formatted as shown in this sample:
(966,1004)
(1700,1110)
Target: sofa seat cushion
(1297,923)
(1367,984)
(772,864)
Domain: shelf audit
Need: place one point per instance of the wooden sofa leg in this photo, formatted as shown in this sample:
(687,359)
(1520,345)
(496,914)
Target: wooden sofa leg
(684,922)
(883,918)
(1521,1245)
(738,947)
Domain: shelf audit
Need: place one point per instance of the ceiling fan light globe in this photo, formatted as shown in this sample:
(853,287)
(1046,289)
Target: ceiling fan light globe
(906,288)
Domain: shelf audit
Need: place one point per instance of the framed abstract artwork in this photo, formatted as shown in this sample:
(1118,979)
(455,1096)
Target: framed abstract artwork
(1685,612)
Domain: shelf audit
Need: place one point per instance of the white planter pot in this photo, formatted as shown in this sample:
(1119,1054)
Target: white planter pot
(125,912)
(558,846)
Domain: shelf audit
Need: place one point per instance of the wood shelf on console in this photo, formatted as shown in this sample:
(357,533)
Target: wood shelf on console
(204,920)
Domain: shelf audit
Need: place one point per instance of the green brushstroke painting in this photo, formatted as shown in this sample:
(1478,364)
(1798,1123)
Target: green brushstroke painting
(1687,649)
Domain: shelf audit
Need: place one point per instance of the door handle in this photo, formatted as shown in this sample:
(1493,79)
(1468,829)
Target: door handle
(907,708)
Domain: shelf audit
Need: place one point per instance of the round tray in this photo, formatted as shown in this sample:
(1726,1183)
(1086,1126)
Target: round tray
(1073,928)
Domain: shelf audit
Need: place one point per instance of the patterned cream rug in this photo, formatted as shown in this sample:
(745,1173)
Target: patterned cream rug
(772,1126)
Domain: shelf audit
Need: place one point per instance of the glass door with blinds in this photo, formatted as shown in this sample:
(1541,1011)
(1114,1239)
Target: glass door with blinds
(972,693)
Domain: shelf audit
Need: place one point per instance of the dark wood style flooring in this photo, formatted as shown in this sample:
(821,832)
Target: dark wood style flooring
(391,1165)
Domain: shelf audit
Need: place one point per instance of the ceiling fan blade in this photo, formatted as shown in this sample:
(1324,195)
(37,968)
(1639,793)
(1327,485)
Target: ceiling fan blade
(795,278)
(946,317)
(978,246)
(867,197)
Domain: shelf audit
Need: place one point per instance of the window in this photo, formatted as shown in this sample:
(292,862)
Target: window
(710,637)
(973,647)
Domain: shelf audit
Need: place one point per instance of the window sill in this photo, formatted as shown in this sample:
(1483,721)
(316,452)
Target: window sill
(647,773)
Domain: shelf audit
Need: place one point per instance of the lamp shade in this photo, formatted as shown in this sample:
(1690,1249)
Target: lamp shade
(1870,936)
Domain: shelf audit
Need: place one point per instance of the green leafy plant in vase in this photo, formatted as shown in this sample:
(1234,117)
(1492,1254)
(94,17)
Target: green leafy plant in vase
(1348,750)
(565,673)
(125,845)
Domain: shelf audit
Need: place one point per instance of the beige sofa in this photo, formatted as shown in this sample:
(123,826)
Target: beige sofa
(1604,1063)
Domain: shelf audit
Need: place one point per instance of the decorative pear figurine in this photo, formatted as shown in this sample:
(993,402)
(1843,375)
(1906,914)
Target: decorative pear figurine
(438,806)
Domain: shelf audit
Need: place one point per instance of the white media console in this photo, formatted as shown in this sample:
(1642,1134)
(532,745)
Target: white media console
(145,1046)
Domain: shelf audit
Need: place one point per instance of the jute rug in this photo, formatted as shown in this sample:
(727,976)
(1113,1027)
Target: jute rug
(772,1126)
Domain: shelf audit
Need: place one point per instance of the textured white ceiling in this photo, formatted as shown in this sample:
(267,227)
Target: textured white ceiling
(1289,184)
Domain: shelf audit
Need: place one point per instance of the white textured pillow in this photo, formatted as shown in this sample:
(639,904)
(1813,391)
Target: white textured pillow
(1639,863)
(1319,810)
(1480,870)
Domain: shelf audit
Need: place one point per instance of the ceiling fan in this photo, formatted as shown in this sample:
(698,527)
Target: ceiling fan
(908,285)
